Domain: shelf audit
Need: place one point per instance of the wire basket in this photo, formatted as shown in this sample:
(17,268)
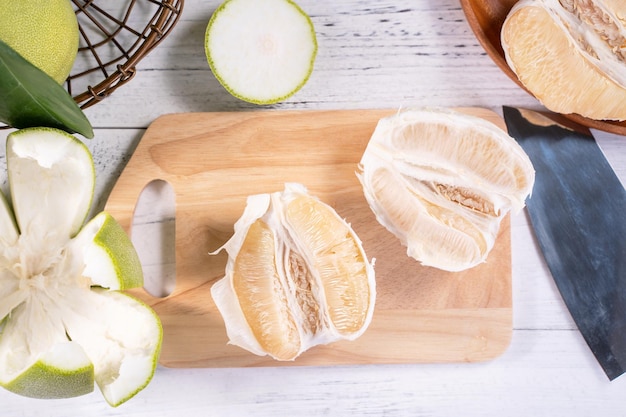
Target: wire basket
(114,36)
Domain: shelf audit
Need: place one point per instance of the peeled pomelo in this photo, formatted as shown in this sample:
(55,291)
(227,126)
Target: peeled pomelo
(64,322)
(570,54)
(261,51)
(441,181)
(43,32)
(297,276)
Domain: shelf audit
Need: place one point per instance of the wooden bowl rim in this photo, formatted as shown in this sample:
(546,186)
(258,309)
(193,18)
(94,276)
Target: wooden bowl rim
(496,53)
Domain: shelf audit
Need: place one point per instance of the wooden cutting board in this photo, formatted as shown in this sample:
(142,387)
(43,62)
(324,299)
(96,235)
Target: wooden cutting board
(213,161)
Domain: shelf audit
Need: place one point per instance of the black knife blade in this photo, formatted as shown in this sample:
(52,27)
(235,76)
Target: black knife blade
(578,212)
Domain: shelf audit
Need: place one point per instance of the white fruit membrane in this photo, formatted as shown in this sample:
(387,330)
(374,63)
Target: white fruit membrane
(269,207)
(66,355)
(223,293)
(57,310)
(261,50)
(417,160)
(63,165)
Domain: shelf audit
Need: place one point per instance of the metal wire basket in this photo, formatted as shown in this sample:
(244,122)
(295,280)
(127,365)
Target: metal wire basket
(114,36)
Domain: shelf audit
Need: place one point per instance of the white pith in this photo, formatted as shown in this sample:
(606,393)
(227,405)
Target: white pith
(55,280)
(262,50)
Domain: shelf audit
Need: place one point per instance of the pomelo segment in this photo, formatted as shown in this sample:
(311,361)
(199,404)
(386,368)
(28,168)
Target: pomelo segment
(261,51)
(256,283)
(63,323)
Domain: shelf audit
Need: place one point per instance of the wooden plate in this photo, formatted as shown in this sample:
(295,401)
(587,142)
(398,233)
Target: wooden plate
(486,17)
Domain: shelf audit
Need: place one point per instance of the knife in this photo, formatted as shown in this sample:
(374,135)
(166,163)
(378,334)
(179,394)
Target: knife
(578,213)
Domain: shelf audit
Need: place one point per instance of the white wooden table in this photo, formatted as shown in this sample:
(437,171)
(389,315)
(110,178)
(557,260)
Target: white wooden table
(372,54)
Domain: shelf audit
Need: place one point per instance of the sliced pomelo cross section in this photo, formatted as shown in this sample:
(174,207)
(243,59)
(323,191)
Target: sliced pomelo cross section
(64,325)
(261,51)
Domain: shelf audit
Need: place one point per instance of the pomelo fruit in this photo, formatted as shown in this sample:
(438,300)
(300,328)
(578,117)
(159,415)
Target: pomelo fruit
(441,181)
(261,51)
(43,32)
(570,55)
(65,321)
(297,276)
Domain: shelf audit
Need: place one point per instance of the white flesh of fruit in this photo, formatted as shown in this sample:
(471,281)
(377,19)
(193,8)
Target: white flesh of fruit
(62,326)
(261,51)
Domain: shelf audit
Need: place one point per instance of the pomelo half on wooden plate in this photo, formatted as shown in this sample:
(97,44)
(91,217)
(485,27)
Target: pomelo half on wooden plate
(485,18)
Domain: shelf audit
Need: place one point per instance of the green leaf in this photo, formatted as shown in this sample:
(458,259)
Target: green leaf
(31,98)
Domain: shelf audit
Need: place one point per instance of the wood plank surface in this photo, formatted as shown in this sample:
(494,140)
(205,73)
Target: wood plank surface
(213,161)
(372,54)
